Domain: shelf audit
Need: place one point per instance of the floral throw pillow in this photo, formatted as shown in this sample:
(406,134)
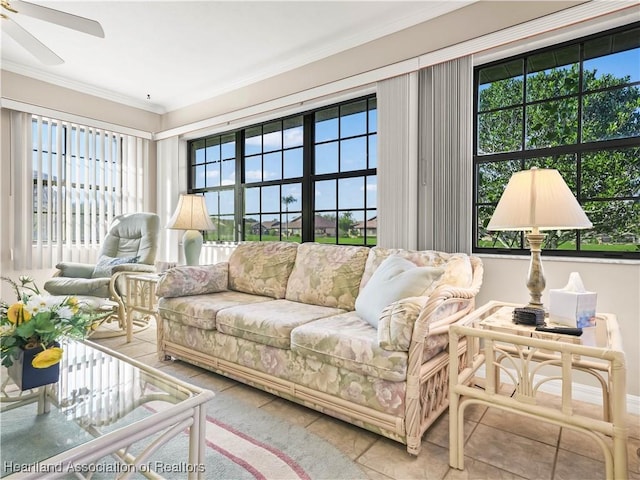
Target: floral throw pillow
(104,267)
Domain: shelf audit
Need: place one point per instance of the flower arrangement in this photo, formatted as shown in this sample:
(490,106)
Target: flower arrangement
(41,321)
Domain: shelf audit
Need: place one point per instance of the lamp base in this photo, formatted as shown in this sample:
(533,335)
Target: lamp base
(192,244)
(535,280)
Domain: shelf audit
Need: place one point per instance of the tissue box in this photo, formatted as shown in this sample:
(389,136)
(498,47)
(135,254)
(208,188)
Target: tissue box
(572,308)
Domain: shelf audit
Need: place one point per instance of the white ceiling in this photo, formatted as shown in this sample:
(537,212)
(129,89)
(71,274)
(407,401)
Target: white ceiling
(183,52)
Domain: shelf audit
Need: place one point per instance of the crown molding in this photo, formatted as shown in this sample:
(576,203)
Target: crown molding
(81,87)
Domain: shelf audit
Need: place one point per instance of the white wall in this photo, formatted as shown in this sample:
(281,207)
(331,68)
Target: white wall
(617,285)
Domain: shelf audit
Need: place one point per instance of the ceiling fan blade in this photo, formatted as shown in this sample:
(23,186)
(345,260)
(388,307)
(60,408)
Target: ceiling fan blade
(30,43)
(64,19)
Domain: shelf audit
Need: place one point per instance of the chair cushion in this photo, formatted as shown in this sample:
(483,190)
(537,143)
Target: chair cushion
(347,341)
(396,278)
(133,235)
(104,267)
(269,323)
(93,287)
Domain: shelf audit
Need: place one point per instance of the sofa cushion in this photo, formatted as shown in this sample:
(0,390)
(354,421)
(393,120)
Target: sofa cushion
(193,280)
(348,342)
(262,268)
(269,323)
(201,310)
(396,278)
(327,275)
(395,326)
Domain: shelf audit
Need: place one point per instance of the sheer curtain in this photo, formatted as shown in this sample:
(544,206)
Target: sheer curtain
(398,162)
(68,182)
(446,162)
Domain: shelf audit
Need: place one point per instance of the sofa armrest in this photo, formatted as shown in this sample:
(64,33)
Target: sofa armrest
(74,270)
(194,280)
(395,326)
(134,268)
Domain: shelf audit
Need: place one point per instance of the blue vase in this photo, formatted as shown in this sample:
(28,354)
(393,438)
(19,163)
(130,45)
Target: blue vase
(26,376)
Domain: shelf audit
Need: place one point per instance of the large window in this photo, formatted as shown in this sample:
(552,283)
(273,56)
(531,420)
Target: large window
(576,108)
(310,177)
(76,181)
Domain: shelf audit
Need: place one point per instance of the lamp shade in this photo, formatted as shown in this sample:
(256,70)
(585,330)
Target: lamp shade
(538,199)
(191,214)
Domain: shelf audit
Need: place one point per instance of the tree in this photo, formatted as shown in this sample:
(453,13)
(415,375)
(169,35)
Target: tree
(287,200)
(550,119)
(346,223)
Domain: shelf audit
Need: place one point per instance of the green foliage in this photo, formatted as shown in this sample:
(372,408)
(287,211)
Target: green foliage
(609,177)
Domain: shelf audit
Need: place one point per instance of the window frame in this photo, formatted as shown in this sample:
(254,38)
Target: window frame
(524,154)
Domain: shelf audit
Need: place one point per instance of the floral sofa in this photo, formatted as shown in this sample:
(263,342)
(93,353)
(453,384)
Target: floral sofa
(355,332)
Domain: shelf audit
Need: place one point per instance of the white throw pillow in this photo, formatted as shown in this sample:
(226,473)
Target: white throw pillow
(396,278)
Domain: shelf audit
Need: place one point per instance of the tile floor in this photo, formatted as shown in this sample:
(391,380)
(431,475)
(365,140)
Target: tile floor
(499,445)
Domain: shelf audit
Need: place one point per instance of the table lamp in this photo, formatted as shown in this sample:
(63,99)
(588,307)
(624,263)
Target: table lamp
(191,215)
(535,200)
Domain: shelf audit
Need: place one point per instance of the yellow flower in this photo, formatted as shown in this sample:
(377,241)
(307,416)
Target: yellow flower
(17,314)
(47,357)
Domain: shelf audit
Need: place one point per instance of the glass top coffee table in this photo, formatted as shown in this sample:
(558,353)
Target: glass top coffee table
(108,416)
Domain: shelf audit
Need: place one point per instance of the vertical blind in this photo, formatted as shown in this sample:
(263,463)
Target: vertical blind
(71,180)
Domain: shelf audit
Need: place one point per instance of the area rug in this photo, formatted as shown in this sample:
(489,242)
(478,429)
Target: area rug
(242,442)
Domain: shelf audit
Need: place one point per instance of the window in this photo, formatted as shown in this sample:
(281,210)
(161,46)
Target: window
(76,182)
(309,177)
(576,108)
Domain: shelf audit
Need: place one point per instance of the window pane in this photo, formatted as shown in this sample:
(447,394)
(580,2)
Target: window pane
(500,131)
(226,228)
(611,114)
(292,197)
(293,163)
(350,193)
(373,151)
(252,200)
(213,174)
(226,202)
(324,228)
(272,169)
(353,120)
(198,152)
(293,132)
(373,115)
(372,191)
(252,227)
(372,227)
(500,85)
(253,141)
(325,195)
(271,199)
(228,146)
(272,139)
(211,200)
(493,178)
(553,73)
(353,154)
(326,125)
(612,173)
(198,176)
(616,226)
(228,172)
(492,239)
(617,69)
(554,123)
(327,158)
(253,169)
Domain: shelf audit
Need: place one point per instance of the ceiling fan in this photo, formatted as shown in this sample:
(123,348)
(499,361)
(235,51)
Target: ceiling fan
(13,8)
